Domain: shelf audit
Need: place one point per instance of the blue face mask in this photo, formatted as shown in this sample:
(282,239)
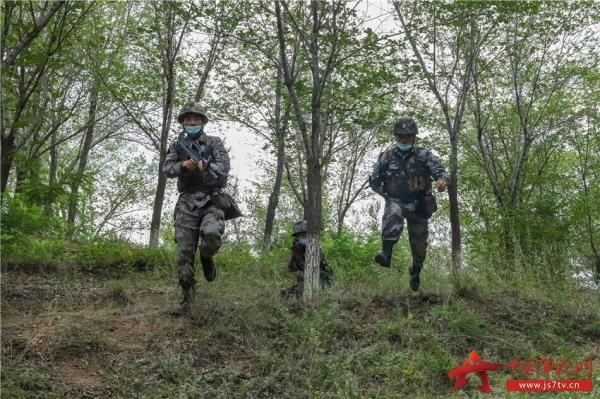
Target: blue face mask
(403,146)
(302,241)
(194,131)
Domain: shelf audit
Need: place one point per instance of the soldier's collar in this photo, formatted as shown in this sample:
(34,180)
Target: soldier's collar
(202,138)
(403,154)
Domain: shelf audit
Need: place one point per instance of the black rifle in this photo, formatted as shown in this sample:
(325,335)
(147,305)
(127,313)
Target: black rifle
(196,151)
(203,152)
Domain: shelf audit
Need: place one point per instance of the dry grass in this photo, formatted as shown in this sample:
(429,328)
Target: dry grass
(77,335)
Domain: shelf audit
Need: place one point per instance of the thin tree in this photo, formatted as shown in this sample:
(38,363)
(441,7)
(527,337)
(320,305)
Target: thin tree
(586,148)
(22,78)
(322,57)
(447,78)
(522,104)
(171,25)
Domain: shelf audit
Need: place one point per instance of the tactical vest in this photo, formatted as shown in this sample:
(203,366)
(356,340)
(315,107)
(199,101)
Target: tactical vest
(192,182)
(405,178)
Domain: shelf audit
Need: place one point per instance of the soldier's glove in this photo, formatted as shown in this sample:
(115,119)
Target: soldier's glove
(441,185)
(189,165)
(202,166)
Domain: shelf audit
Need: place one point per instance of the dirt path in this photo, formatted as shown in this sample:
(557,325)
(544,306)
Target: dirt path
(78,332)
(84,336)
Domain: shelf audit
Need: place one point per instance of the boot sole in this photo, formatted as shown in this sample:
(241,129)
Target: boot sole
(414,284)
(209,269)
(179,311)
(381,260)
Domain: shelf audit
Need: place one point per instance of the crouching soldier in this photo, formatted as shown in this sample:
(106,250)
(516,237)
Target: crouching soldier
(403,176)
(201,165)
(297,261)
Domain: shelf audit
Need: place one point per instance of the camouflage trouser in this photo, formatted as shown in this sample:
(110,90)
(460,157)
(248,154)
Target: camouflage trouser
(418,230)
(206,224)
(298,288)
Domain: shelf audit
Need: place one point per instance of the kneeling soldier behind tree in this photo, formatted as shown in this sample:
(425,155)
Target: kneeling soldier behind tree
(297,262)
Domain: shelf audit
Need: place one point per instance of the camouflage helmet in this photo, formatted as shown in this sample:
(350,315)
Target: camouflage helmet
(406,126)
(192,108)
(299,227)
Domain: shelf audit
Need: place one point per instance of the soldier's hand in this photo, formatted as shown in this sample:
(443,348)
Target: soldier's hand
(441,185)
(188,165)
(201,166)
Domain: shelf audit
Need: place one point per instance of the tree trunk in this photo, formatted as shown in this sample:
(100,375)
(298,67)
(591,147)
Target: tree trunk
(590,226)
(83,158)
(169,58)
(313,206)
(340,222)
(341,217)
(311,274)
(347,197)
(20,175)
(162,179)
(52,171)
(274,197)
(210,62)
(312,214)
(313,140)
(6,158)
(158,202)
(454,209)
(280,131)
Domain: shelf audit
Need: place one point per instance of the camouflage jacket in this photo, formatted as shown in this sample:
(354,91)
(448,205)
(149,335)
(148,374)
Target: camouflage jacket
(297,260)
(192,181)
(406,176)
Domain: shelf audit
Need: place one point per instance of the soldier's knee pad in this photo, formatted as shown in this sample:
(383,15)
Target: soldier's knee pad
(186,247)
(213,229)
(210,244)
(185,257)
(211,234)
(186,278)
(419,254)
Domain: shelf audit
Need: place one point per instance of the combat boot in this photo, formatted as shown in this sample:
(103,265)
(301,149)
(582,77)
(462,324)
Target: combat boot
(208,267)
(289,292)
(415,280)
(384,258)
(185,306)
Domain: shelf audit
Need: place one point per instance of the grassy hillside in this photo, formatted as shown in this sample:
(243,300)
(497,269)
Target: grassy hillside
(87,321)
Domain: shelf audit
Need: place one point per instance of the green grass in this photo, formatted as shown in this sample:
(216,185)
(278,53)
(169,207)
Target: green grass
(367,336)
(37,255)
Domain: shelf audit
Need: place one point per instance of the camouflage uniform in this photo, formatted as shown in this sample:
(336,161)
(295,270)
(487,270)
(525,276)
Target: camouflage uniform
(199,210)
(297,262)
(404,179)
